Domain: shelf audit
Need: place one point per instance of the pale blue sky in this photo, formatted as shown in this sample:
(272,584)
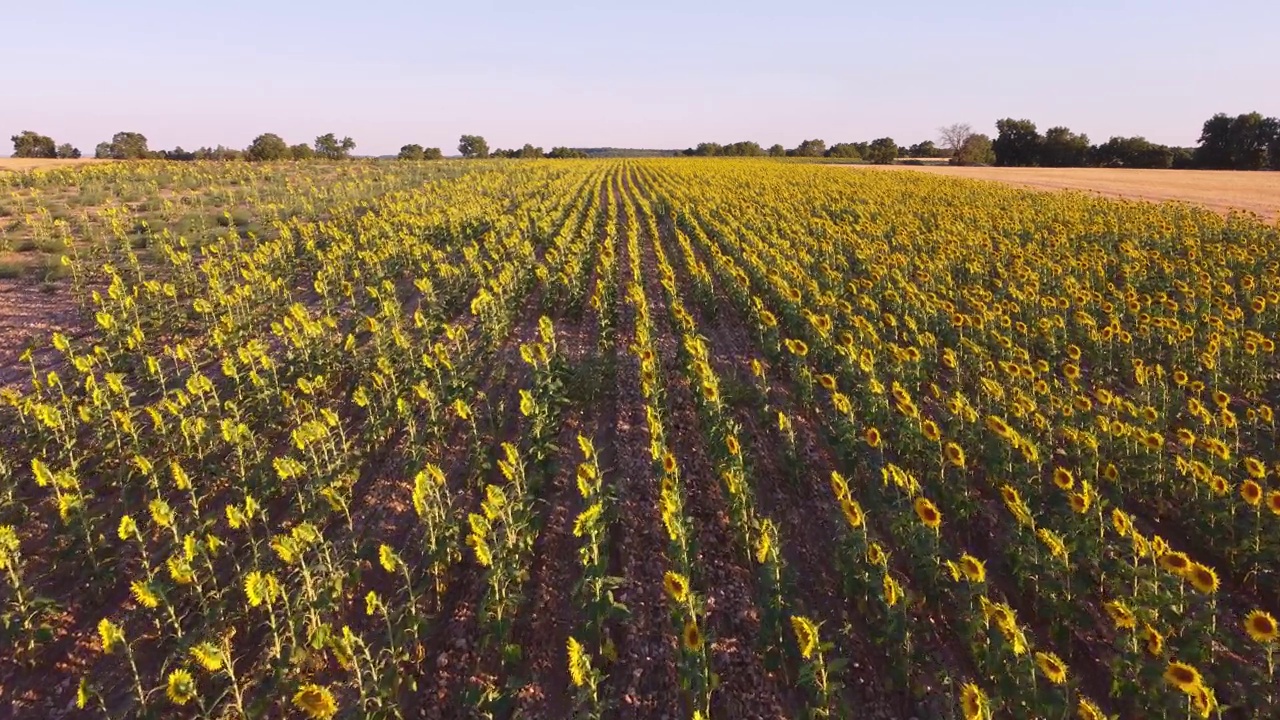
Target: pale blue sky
(658,73)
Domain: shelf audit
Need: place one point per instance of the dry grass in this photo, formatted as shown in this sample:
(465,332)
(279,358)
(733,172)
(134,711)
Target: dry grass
(1257,192)
(20,164)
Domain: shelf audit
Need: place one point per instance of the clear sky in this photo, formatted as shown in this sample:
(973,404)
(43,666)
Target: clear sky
(657,73)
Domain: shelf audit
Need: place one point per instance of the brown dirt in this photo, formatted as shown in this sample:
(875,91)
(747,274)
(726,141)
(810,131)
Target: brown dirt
(23,164)
(28,317)
(1219,190)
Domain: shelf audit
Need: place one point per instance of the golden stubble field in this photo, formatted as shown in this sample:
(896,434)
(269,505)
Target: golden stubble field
(21,164)
(1257,192)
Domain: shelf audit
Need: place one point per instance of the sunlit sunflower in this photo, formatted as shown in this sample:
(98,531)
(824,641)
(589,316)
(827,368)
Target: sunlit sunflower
(973,703)
(892,590)
(806,632)
(1273,502)
(973,568)
(1176,562)
(1087,710)
(180,687)
(1261,627)
(676,585)
(1063,479)
(872,437)
(928,513)
(930,430)
(1183,676)
(954,454)
(1255,468)
(1052,667)
(1203,578)
(315,701)
(852,511)
(1154,640)
(1251,492)
(827,382)
(691,636)
(1121,615)
(875,554)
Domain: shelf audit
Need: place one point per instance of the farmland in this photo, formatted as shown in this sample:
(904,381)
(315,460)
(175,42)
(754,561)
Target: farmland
(634,439)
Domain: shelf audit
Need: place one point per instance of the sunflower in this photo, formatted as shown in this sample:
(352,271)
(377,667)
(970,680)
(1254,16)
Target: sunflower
(839,487)
(1219,485)
(1251,492)
(691,635)
(1121,521)
(1053,541)
(1221,399)
(1273,502)
(928,513)
(973,702)
(954,454)
(180,687)
(731,444)
(1079,502)
(1203,701)
(676,585)
(1203,578)
(806,635)
(930,430)
(111,634)
(1063,479)
(1176,562)
(207,655)
(1183,676)
(892,590)
(827,382)
(973,568)
(875,554)
(579,664)
(315,701)
(852,511)
(1054,670)
(872,436)
(999,427)
(1255,468)
(1261,627)
(1071,371)
(1087,710)
(388,558)
(1121,615)
(668,463)
(1186,437)
(1179,378)
(144,594)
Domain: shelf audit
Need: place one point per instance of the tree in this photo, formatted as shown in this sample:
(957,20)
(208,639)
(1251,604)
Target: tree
(268,146)
(1063,148)
(301,151)
(29,144)
(976,150)
(1250,136)
(1214,152)
(1132,152)
(102,151)
(565,153)
(330,148)
(124,146)
(411,152)
(811,148)
(473,146)
(1017,143)
(528,152)
(67,152)
(953,137)
(777,150)
(924,149)
(847,151)
(882,151)
(432,154)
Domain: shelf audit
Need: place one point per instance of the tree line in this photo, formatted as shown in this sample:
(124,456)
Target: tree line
(1247,141)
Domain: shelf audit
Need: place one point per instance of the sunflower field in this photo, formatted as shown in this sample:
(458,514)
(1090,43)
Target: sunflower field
(639,439)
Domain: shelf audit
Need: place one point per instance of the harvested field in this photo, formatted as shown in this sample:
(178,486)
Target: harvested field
(21,164)
(1219,190)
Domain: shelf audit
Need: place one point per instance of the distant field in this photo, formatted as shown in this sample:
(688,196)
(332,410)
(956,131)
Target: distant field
(1258,192)
(37,163)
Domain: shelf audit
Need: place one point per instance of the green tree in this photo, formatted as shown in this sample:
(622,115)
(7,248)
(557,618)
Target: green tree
(67,151)
(976,150)
(882,151)
(924,149)
(1250,136)
(301,151)
(743,148)
(473,146)
(777,150)
(810,148)
(432,153)
(560,153)
(267,146)
(1214,151)
(411,152)
(1017,143)
(847,151)
(528,152)
(1132,152)
(330,148)
(29,144)
(1063,148)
